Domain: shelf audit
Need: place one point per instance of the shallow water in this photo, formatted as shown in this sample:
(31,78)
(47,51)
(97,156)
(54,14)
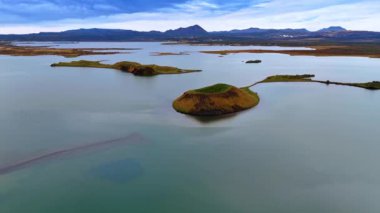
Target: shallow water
(305,148)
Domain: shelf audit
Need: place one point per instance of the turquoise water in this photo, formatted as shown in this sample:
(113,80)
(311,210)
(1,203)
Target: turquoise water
(305,148)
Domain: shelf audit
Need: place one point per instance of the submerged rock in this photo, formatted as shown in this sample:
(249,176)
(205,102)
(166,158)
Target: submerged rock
(253,62)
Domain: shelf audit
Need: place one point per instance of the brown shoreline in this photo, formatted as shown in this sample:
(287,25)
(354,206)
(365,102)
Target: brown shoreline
(336,50)
(13,50)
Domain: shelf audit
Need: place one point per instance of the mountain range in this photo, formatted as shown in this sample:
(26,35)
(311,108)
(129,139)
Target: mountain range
(197,33)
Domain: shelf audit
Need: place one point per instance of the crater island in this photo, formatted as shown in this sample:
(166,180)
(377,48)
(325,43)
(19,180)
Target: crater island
(215,100)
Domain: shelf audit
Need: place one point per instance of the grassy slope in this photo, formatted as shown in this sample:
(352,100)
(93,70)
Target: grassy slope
(216,88)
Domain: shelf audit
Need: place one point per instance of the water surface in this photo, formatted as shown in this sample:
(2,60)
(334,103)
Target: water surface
(305,148)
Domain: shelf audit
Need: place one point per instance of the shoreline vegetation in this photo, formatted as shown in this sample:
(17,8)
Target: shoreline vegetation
(13,50)
(329,50)
(221,99)
(126,66)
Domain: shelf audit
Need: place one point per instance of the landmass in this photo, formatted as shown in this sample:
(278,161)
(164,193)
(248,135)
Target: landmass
(169,53)
(374,85)
(371,51)
(331,41)
(218,99)
(126,66)
(13,50)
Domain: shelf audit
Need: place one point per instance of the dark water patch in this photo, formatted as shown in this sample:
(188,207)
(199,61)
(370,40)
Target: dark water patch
(120,171)
(132,138)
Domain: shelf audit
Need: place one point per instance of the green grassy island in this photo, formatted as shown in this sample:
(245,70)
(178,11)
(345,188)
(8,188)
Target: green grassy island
(218,99)
(126,66)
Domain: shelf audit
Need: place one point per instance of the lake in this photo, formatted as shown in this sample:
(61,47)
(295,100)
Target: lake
(304,148)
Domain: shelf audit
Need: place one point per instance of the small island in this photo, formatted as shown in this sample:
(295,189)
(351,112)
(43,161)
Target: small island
(253,62)
(126,66)
(218,99)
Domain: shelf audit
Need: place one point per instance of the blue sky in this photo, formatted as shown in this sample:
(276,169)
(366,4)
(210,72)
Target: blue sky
(24,16)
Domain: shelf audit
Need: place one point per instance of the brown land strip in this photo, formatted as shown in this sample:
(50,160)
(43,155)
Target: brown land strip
(355,50)
(9,49)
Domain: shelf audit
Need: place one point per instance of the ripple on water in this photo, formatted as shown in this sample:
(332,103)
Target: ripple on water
(120,171)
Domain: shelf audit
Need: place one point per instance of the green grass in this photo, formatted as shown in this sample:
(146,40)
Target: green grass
(288,78)
(82,63)
(216,88)
(374,85)
(247,90)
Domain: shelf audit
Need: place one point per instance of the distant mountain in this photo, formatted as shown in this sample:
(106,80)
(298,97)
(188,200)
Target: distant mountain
(191,31)
(258,30)
(265,33)
(332,29)
(109,35)
(198,34)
